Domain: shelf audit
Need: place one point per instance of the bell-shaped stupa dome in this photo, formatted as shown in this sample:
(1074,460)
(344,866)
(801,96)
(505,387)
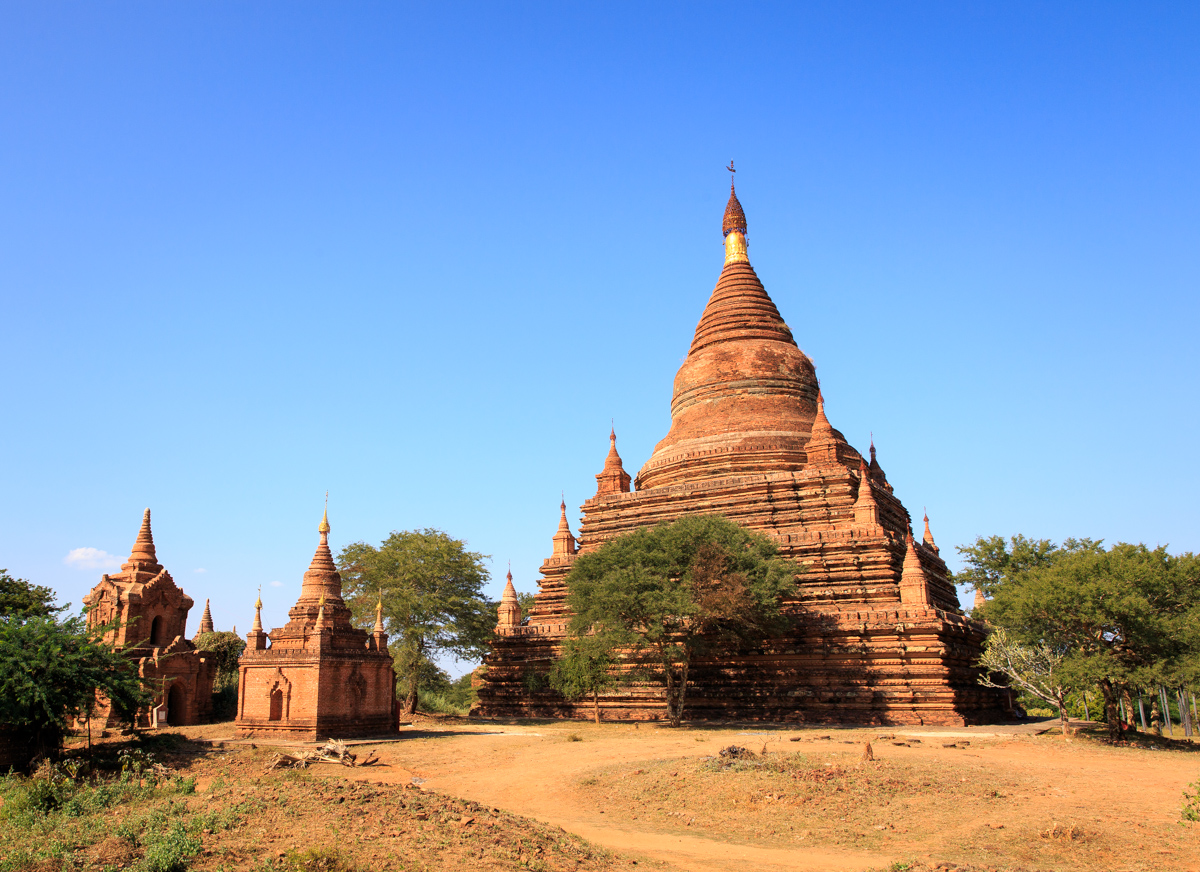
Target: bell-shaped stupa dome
(746,396)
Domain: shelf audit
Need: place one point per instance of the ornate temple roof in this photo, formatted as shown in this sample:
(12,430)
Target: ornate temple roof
(322,581)
(143,550)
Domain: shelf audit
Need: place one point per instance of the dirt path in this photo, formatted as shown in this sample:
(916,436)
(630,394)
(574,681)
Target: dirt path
(534,772)
(1122,804)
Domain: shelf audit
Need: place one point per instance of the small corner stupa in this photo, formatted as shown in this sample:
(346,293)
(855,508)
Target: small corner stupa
(150,614)
(318,676)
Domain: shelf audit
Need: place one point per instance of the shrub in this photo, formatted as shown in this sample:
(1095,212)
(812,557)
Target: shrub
(1191,802)
(169,850)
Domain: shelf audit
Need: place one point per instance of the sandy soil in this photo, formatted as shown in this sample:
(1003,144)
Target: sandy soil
(1003,798)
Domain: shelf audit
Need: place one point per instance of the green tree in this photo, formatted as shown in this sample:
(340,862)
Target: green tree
(585,668)
(664,594)
(20,598)
(526,602)
(226,649)
(1032,668)
(432,592)
(50,672)
(1118,617)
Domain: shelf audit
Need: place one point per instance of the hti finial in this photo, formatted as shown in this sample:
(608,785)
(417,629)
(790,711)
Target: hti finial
(323,528)
(258,602)
(731,172)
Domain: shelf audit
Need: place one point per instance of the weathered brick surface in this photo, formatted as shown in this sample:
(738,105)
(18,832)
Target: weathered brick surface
(877,633)
(152,611)
(318,676)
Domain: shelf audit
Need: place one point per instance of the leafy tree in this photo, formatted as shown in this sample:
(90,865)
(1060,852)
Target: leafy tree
(1031,668)
(585,667)
(526,602)
(19,597)
(666,593)
(225,648)
(1123,616)
(432,592)
(992,561)
(50,672)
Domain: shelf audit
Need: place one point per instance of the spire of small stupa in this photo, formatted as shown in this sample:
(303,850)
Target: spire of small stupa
(821,428)
(613,478)
(379,612)
(928,537)
(206,621)
(143,549)
(320,625)
(509,613)
(980,599)
(322,579)
(866,509)
(733,226)
(257,613)
(564,542)
(914,587)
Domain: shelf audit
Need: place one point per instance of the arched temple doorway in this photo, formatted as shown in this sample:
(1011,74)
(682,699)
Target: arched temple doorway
(276,704)
(175,705)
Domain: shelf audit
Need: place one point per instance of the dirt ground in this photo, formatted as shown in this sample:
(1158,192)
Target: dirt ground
(1005,798)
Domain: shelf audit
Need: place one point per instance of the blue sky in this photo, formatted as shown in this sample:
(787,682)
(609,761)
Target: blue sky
(420,255)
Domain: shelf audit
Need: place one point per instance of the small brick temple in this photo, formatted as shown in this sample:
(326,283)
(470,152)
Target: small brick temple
(318,676)
(877,636)
(151,611)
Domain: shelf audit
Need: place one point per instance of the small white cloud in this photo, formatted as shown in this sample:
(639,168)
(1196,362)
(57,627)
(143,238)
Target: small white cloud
(91,558)
(200,571)
(277,584)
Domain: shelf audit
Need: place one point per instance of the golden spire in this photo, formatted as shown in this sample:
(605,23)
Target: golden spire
(258,602)
(257,627)
(379,613)
(323,529)
(734,226)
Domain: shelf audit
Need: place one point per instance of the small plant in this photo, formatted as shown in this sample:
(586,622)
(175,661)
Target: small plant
(574,737)
(169,851)
(135,761)
(1191,803)
(317,860)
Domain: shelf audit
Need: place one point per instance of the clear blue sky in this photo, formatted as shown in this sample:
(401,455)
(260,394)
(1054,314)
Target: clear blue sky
(420,255)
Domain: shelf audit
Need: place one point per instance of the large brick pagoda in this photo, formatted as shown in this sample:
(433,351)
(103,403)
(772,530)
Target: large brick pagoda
(150,614)
(318,676)
(878,635)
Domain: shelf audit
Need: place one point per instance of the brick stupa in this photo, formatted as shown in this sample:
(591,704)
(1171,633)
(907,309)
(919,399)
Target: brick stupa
(152,611)
(318,676)
(877,632)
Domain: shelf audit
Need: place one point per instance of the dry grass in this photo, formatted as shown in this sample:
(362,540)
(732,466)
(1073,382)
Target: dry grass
(240,817)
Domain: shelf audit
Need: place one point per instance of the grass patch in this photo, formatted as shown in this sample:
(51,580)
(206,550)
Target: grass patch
(126,810)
